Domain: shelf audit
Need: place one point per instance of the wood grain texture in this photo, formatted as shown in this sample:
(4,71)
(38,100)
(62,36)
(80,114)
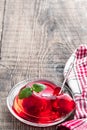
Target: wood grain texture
(36,39)
(2,14)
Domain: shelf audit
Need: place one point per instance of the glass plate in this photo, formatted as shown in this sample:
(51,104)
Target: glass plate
(14,91)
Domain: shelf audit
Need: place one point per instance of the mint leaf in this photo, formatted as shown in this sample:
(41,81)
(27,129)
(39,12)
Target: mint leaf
(25,92)
(38,87)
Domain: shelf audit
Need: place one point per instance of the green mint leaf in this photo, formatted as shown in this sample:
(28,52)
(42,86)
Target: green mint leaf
(38,87)
(25,92)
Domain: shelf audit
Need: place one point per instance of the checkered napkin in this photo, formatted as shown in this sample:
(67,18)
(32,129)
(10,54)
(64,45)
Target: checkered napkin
(77,81)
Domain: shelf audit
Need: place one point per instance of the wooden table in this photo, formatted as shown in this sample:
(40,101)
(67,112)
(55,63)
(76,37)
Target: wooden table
(36,39)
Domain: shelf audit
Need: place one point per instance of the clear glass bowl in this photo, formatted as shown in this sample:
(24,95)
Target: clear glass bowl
(14,91)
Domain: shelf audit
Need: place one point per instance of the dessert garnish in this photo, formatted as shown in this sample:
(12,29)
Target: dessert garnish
(28,91)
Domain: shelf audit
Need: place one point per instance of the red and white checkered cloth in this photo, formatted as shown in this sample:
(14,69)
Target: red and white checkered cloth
(77,81)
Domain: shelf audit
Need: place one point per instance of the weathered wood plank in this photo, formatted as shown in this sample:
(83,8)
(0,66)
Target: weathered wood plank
(38,38)
(2,14)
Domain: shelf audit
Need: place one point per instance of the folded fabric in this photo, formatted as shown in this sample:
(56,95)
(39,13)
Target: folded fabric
(77,81)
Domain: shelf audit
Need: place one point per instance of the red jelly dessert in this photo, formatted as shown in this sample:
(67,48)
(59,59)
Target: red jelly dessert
(44,107)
